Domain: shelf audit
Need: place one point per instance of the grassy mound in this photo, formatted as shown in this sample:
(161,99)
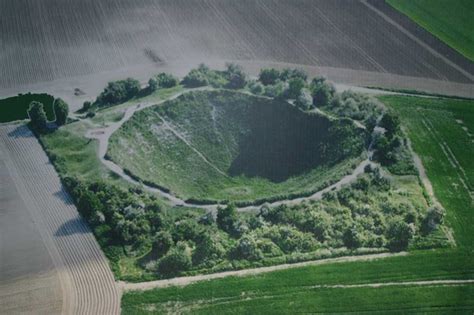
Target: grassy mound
(223,145)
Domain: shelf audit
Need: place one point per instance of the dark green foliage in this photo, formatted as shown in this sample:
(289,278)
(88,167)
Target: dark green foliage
(203,76)
(304,100)
(227,218)
(152,85)
(210,248)
(246,248)
(37,116)
(16,107)
(166,80)
(118,91)
(399,234)
(256,88)
(61,111)
(236,76)
(269,76)
(178,259)
(162,242)
(288,74)
(433,218)
(295,86)
(322,91)
(350,104)
(195,78)
(86,106)
(391,123)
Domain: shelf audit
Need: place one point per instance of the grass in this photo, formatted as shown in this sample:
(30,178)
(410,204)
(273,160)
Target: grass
(288,291)
(15,108)
(76,156)
(442,133)
(450,21)
(236,147)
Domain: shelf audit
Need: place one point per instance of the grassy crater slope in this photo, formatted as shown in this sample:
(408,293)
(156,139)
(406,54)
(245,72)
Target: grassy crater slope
(451,21)
(224,145)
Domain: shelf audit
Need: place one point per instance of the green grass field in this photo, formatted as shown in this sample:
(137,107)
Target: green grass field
(14,108)
(227,145)
(449,20)
(441,133)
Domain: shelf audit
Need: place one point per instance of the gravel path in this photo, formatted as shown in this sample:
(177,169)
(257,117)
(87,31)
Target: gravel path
(88,285)
(183,281)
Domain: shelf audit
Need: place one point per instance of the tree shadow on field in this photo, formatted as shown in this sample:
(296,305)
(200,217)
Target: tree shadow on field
(63,196)
(73,226)
(21,131)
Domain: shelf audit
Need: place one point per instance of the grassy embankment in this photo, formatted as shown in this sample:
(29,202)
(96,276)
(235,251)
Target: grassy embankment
(15,108)
(450,21)
(232,146)
(289,291)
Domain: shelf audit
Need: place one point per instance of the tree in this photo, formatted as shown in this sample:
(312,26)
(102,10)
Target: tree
(269,76)
(166,80)
(352,238)
(288,74)
(295,87)
(226,218)
(322,93)
(434,216)
(61,111)
(399,234)
(37,116)
(236,76)
(132,87)
(256,87)
(152,85)
(162,243)
(177,259)
(391,123)
(209,248)
(304,100)
(247,248)
(195,78)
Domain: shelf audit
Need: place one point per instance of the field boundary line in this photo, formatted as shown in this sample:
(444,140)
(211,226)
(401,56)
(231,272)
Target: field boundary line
(183,281)
(417,40)
(393,284)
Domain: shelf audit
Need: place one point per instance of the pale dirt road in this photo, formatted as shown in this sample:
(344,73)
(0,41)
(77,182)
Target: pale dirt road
(86,282)
(183,281)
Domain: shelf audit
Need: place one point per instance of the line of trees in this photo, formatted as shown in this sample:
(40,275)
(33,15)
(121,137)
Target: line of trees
(37,115)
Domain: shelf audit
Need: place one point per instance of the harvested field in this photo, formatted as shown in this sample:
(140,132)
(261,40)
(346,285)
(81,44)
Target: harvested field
(28,279)
(87,37)
(85,278)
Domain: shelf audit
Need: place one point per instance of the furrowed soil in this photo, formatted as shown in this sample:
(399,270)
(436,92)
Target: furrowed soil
(51,41)
(86,282)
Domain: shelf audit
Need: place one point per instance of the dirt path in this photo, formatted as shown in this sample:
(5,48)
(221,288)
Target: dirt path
(103,136)
(393,284)
(87,283)
(183,281)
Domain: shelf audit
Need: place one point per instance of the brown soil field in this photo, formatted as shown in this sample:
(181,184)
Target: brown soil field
(43,239)
(54,40)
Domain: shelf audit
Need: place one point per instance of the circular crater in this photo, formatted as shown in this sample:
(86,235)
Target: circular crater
(209,146)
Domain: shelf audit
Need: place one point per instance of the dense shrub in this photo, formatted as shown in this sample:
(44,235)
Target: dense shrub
(236,77)
(166,80)
(37,116)
(118,91)
(176,260)
(304,100)
(61,111)
(256,87)
(295,86)
(269,76)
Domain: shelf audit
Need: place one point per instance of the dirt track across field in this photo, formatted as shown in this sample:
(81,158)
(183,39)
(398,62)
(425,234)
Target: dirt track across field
(67,267)
(182,281)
